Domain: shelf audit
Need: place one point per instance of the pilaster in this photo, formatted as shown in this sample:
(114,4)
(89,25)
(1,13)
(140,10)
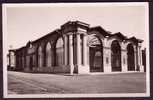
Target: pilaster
(107,60)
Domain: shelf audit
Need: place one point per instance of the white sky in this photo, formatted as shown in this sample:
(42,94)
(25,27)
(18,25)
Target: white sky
(26,23)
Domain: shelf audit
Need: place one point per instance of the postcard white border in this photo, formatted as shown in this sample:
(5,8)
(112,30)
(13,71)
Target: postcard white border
(4,21)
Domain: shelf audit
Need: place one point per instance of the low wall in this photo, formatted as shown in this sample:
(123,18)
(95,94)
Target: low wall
(53,69)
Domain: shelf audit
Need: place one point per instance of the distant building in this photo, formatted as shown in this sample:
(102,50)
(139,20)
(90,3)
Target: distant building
(11,60)
(78,48)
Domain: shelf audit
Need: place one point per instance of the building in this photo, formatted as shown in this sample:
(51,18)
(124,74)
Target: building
(78,48)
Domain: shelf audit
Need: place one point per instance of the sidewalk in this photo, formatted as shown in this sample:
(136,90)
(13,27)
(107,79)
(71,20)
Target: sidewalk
(98,83)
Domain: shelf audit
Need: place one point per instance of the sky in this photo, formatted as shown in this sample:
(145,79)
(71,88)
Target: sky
(29,22)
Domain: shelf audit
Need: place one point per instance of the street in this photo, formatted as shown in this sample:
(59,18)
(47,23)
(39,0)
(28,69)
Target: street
(43,83)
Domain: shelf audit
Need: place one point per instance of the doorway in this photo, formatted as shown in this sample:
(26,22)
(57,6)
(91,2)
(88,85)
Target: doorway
(95,54)
(116,56)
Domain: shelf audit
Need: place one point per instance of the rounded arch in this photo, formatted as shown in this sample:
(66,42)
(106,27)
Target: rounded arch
(40,57)
(48,54)
(97,34)
(95,53)
(116,56)
(60,52)
(112,39)
(130,57)
(129,43)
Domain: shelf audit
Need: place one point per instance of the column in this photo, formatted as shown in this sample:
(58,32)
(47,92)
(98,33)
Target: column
(78,50)
(84,69)
(139,64)
(141,57)
(138,56)
(71,54)
(140,60)
(84,50)
(65,50)
(9,59)
(135,57)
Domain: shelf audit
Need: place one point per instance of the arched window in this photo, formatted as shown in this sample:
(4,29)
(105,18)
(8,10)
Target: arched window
(23,61)
(59,52)
(115,56)
(48,55)
(95,54)
(40,57)
(98,59)
(130,57)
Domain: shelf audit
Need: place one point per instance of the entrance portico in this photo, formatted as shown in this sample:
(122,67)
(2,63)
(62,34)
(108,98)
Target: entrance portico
(75,39)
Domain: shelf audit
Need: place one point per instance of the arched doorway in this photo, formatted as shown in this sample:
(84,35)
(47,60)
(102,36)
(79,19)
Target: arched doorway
(59,52)
(40,57)
(130,57)
(95,54)
(31,63)
(48,55)
(116,56)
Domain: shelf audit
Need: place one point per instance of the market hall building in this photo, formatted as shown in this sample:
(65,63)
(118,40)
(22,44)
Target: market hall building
(78,48)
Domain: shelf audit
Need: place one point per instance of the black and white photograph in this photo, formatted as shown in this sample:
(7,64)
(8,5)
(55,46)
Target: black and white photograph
(76,50)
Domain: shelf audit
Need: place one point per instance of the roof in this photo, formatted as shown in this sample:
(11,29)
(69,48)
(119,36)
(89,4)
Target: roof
(134,39)
(55,31)
(89,29)
(100,29)
(76,23)
(120,35)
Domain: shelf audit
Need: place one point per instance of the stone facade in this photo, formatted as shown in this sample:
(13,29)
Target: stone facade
(78,48)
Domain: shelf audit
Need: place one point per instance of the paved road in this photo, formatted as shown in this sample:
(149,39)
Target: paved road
(32,83)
